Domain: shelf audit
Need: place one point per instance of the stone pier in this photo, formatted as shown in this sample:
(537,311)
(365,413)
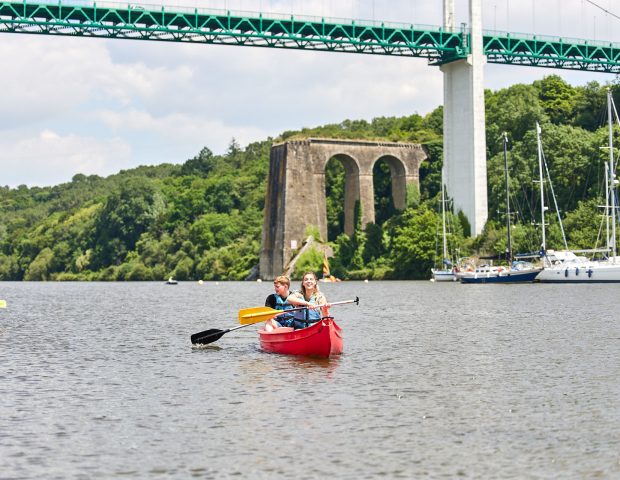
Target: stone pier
(295,195)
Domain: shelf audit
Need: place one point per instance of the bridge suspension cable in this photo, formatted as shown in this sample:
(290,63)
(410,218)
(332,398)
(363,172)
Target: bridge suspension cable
(603,9)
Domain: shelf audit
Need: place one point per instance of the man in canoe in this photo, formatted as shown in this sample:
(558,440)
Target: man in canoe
(309,295)
(279,301)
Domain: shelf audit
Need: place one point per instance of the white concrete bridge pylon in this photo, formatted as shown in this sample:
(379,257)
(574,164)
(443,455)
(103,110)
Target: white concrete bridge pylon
(464,142)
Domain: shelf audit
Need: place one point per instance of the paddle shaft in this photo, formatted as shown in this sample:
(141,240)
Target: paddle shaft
(273,311)
(268,313)
(213,334)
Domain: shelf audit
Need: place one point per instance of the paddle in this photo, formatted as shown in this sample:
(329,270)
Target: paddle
(254,315)
(248,316)
(261,314)
(211,335)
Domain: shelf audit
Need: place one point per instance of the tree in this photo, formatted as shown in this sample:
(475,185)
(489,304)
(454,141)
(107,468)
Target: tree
(558,99)
(413,243)
(334,192)
(128,213)
(584,225)
(516,110)
(40,267)
(201,165)
(590,106)
(375,246)
(384,200)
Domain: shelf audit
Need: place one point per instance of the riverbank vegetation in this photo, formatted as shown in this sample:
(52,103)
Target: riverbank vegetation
(203,219)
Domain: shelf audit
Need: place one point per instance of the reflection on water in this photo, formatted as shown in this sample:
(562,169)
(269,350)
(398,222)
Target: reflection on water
(100,380)
(267,365)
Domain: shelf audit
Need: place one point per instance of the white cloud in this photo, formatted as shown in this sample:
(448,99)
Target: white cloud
(77,105)
(49,158)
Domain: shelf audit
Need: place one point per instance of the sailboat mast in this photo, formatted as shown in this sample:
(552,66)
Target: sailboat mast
(542,188)
(509,238)
(443,220)
(611,176)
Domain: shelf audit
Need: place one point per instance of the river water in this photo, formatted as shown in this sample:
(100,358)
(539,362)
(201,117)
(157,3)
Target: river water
(99,380)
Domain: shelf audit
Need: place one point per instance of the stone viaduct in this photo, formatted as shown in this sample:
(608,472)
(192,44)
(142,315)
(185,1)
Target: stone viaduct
(295,195)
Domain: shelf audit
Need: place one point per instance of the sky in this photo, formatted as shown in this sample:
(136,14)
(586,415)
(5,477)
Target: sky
(97,106)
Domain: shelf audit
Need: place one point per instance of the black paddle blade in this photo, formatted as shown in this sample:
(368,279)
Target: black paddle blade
(208,336)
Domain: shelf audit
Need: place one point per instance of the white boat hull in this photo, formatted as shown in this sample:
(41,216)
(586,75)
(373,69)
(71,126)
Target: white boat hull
(443,275)
(587,272)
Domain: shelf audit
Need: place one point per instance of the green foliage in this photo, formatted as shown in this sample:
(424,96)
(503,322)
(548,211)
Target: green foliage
(464,223)
(558,99)
(583,231)
(309,261)
(334,191)
(40,267)
(413,243)
(203,219)
(430,173)
(313,231)
(413,195)
(128,212)
(384,201)
(515,109)
(201,165)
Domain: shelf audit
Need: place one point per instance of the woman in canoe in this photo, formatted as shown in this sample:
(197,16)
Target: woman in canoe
(282,299)
(309,295)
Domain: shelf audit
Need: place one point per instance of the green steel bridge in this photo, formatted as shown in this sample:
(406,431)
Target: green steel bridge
(192,25)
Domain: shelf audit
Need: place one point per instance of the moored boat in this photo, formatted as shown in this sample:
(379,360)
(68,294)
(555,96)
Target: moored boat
(445,273)
(321,339)
(567,267)
(520,272)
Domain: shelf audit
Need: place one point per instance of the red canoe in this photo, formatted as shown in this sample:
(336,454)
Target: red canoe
(321,339)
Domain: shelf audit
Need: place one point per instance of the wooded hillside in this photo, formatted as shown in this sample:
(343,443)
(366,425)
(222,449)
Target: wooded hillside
(202,219)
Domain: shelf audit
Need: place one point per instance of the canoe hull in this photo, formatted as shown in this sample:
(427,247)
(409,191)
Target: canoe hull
(322,339)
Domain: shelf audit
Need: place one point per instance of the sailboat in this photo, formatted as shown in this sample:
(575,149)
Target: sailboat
(519,271)
(444,274)
(565,266)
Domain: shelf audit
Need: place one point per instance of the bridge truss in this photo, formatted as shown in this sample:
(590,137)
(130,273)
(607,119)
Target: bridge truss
(437,45)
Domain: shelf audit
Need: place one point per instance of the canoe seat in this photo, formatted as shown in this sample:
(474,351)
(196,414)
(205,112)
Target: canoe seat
(277,330)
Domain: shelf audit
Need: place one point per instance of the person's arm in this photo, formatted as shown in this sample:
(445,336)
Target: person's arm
(297,299)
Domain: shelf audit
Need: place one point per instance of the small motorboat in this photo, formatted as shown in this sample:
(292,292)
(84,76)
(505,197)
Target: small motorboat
(321,339)
(171,281)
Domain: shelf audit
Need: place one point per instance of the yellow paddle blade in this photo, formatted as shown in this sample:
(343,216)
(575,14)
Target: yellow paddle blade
(256,314)
(2,303)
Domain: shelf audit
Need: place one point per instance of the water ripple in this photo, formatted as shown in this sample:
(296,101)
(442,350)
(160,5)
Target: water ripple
(438,381)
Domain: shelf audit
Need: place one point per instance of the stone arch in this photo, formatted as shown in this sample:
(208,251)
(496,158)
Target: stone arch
(351,189)
(398,175)
(295,196)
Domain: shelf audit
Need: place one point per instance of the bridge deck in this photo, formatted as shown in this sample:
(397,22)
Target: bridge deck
(141,22)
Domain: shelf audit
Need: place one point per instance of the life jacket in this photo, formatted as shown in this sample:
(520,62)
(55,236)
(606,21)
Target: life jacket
(308,315)
(282,304)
